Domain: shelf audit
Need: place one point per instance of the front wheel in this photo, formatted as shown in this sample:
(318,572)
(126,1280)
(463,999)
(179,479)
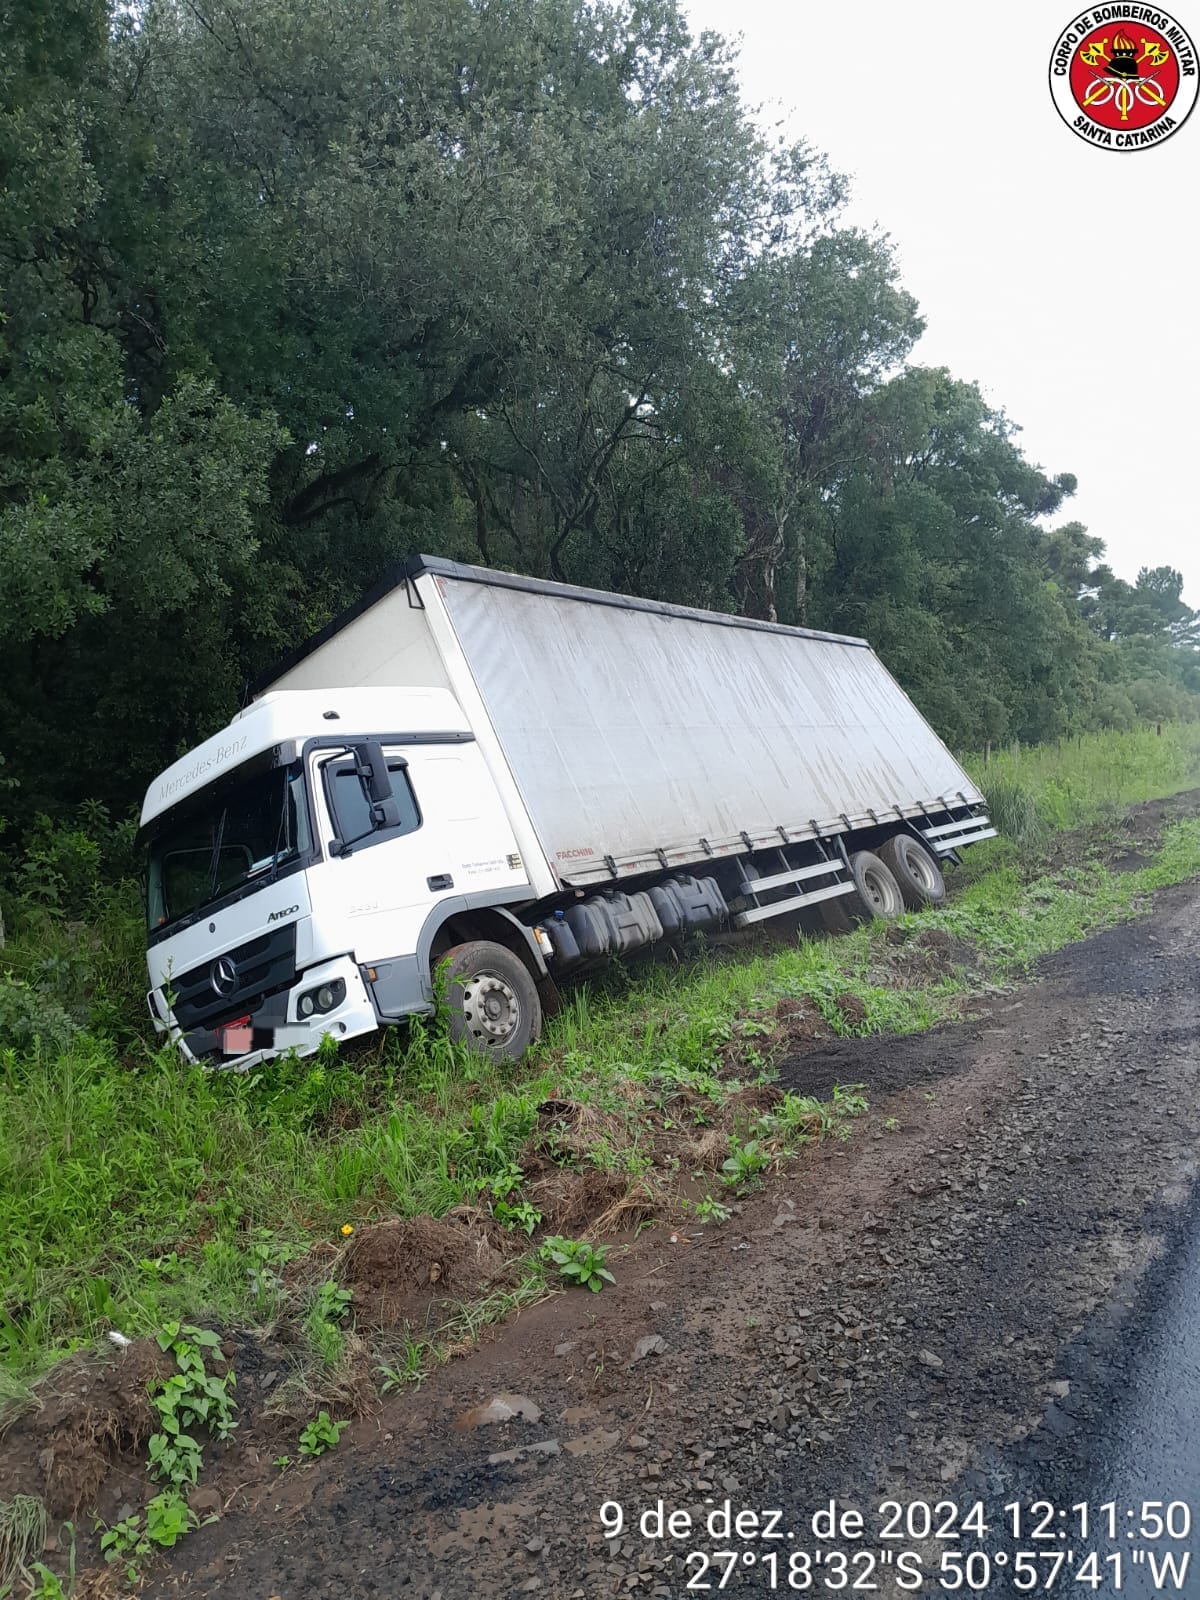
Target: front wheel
(494,1006)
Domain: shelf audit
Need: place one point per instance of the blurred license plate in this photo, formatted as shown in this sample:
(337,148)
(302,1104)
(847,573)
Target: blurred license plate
(235,1038)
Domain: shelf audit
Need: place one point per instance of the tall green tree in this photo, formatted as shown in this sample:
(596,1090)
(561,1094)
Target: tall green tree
(287,293)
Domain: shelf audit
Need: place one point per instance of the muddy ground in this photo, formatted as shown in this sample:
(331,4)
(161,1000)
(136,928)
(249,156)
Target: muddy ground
(946,1287)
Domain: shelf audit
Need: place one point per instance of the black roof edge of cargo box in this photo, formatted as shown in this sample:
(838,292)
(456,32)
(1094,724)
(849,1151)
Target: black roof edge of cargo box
(438,566)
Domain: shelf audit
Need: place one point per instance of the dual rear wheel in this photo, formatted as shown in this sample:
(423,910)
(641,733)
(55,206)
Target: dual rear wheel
(901,876)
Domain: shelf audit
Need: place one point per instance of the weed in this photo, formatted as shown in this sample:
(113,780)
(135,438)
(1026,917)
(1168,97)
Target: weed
(17,1394)
(1038,790)
(522,1214)
(410,1370)
(710,1209)
(463,1329)
(322,1325)
(191,1396)
(332,1302)
(745,1163)
(269,1256)
(1013,808)
(848,1101)
(320,1435)
(326,1342)
(47,1585)
(502,1183)
(799,1118)
(579,1262)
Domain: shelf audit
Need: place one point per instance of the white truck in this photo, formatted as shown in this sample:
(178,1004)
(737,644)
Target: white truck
(502,781)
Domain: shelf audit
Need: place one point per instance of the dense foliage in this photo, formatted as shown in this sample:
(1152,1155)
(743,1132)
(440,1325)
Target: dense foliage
(289,290)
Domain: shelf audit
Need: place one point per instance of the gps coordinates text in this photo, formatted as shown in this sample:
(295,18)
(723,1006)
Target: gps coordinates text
(1016,1548)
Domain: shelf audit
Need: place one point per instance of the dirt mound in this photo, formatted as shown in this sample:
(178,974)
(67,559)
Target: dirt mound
(1131,861)
(797,1021)
(91,1412)
(567,1132)
(925,956)
(401,1271)
(851,1010)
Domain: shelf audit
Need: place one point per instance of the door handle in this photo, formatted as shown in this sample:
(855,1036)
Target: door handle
(440,880)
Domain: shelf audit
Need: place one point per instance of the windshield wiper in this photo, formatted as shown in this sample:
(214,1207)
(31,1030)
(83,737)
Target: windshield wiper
(214,860)
(284,828)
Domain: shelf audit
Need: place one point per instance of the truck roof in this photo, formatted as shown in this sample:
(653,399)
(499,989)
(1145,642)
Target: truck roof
(415,566)
(293,715)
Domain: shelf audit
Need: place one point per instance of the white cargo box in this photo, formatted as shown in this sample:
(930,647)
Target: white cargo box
(633,734)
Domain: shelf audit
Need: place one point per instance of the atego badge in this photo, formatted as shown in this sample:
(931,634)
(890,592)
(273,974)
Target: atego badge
(1124,77)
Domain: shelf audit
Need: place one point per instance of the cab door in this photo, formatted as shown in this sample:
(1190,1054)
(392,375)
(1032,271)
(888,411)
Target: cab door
(452,840)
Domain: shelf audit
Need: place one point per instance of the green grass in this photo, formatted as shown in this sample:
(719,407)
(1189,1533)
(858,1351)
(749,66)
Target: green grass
(1036,791)
(136,1191)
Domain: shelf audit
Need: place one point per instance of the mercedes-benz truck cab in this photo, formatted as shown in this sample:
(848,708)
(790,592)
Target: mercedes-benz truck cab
(296,854)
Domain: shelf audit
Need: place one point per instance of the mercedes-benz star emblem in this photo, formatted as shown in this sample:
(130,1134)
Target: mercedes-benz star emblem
(224,975)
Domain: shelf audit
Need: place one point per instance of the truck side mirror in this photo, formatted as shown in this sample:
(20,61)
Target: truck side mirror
(371,767)
(371,770)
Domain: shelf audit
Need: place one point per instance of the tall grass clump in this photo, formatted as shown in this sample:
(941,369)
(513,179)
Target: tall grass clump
(1034,791)
(1014,807)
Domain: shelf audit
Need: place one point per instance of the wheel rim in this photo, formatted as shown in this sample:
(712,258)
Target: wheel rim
(921,868)
(491,1008)
(876,893)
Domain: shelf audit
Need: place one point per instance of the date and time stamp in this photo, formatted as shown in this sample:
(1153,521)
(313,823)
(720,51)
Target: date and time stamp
(919,1546)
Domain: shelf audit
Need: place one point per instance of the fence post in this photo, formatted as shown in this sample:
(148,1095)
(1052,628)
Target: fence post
(987,753)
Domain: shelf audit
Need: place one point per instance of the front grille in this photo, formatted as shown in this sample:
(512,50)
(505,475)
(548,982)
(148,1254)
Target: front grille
(261,967)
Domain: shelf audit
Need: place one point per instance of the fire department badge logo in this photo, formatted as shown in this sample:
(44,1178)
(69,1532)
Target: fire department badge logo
(1124,77)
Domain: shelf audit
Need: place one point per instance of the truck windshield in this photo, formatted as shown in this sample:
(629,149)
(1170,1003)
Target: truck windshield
(244,834)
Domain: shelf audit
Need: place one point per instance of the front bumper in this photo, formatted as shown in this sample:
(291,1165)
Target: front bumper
(275,1023)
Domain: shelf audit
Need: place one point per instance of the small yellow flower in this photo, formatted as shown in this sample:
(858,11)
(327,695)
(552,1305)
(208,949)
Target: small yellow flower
(347,1229)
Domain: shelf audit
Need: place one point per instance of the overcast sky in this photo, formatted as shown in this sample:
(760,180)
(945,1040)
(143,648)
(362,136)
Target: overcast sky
(1059,276)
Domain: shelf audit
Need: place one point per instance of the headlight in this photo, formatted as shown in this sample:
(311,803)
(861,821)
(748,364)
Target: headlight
(326,998)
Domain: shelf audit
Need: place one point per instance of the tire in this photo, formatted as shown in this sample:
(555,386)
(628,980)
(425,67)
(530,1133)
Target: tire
(493,1002)
(877,893)
(915,870)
